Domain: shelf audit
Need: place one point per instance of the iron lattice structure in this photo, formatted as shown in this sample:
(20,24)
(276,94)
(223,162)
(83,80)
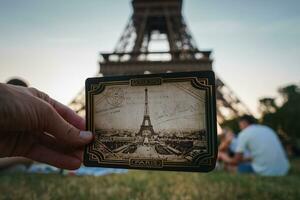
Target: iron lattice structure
(146,124)
(158,22)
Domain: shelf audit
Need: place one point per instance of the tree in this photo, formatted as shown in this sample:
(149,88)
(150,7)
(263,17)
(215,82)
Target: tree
(289,112)
(267,105)
(233,124)
(284,119)
(268,108)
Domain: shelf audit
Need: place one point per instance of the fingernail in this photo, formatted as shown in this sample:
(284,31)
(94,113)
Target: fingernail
(85,134)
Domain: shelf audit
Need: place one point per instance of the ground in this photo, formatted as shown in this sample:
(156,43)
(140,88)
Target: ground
(152,185)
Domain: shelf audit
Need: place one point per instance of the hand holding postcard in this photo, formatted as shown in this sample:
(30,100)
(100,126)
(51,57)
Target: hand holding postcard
(157,121)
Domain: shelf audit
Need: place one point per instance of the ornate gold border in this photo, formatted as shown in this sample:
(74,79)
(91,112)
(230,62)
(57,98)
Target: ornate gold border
(204,159)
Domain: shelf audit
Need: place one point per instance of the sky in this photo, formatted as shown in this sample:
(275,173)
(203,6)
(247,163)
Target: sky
(55,44)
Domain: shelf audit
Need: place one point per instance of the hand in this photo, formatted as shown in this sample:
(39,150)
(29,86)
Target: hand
(224,157)
(35,126)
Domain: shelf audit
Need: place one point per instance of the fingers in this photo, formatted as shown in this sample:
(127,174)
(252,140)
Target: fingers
(51,142)
(61,122)
(63,131)
(46,155)
(68,114)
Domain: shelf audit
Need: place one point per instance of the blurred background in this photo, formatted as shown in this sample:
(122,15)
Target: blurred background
(55,45)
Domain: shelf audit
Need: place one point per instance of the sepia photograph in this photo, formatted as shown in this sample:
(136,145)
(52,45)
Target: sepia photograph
(150,126)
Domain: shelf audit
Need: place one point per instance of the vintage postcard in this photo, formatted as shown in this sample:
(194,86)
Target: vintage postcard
(157,121)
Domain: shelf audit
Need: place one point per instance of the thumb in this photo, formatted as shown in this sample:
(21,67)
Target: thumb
(63,131)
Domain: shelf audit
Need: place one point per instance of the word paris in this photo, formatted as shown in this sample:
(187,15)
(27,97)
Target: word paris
(156,121)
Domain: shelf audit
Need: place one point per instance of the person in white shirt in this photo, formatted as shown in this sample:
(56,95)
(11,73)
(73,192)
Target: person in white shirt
(268,157)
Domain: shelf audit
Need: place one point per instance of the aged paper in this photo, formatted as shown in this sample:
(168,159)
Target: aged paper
(165,122)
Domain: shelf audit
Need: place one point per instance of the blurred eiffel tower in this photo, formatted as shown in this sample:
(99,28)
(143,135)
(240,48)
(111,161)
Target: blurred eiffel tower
(157,40)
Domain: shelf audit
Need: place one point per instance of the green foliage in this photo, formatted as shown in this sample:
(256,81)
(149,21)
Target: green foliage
(290,92)
(271,120)
(267,105)
(284,118)
(233,124)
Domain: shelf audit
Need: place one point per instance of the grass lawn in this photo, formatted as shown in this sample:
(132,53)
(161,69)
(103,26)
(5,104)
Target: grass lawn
(152,185)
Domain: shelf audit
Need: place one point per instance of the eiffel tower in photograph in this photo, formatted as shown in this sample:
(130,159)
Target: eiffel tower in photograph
(157,40)
(146,127)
